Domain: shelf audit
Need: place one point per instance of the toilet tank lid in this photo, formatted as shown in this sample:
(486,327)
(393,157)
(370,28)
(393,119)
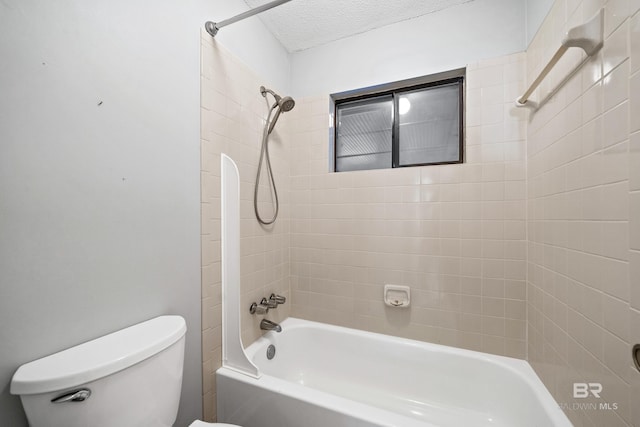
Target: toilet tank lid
(98,358)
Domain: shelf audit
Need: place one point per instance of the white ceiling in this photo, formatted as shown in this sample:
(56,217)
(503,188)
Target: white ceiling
(303,24)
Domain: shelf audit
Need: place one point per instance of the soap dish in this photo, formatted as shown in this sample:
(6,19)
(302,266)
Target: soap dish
(397,296)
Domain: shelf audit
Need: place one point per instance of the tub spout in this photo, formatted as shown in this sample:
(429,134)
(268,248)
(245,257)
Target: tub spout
(268,325)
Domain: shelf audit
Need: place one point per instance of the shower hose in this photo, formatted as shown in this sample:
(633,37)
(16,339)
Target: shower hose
(264,153)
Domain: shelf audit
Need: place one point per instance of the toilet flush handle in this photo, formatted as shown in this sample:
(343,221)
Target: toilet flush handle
(73,396)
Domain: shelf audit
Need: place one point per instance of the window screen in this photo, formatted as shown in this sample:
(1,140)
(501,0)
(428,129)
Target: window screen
(416,124)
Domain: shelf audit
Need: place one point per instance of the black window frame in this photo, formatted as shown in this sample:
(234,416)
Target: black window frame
(395,90)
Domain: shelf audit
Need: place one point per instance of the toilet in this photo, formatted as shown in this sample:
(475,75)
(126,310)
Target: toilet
(130,378)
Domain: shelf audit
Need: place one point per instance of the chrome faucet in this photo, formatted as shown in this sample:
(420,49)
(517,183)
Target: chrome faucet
(268,325)
(265,304)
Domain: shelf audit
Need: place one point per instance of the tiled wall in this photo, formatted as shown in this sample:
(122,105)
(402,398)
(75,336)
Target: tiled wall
(232,118)
(584,214)
(558,187)
(456,234)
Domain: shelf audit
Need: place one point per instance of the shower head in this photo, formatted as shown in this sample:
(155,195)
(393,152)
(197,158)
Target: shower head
(283,104)
(286,104)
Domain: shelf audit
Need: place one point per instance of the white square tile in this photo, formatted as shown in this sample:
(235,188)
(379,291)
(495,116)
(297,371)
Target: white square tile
(634,220)
(616,317)
(491,95)
(616,356)
(615,199)
(616,11)
(614,164)
(615,240)
(615,86)
(616,48)
(592,136)
(592,70)
(592,103)
(616,124)
(634,162)
(634,282)
(591,7)
(634,46)
(634,102)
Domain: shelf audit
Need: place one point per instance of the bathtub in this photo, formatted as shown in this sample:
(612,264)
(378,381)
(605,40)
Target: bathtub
(324,375)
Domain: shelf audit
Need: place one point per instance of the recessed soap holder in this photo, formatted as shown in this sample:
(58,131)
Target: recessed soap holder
(397,296)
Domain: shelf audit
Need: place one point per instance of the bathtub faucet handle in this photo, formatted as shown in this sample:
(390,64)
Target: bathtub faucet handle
(279,299)
(259,308)
(269,303)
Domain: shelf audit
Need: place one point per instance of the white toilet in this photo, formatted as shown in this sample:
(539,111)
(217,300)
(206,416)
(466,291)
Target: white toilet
(130,378)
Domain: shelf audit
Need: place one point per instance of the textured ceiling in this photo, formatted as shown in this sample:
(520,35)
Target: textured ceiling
(302,24)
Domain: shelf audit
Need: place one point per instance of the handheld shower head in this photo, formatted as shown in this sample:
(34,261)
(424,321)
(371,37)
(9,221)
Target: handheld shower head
(286,104)
(282,104)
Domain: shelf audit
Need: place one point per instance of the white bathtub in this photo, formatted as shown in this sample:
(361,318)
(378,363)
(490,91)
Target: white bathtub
(325,375)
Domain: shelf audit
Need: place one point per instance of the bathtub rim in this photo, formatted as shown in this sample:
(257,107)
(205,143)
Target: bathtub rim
(375,416)
(519,367)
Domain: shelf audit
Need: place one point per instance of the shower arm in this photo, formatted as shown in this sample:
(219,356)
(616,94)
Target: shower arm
(264,91)
(213,27)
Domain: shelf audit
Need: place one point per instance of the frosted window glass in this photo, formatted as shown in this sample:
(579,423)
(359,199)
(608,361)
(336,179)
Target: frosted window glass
(364,134)
(429,125)
(409,123)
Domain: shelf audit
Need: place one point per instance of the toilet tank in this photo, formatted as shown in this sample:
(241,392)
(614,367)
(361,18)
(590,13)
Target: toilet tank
(130,378)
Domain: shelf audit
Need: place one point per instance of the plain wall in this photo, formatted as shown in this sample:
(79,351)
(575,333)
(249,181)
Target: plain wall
(536,11)
(445,40)
(99,173)
(252,44)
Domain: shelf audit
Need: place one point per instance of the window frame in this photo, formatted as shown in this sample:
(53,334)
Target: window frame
(396,89)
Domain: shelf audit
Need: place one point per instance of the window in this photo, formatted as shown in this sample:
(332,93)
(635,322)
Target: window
(410,123)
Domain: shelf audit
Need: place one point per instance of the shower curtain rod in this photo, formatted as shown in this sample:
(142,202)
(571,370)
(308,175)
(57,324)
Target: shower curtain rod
(213,27)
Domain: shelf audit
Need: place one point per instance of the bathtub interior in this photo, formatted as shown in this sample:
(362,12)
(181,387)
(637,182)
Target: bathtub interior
(442,386)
